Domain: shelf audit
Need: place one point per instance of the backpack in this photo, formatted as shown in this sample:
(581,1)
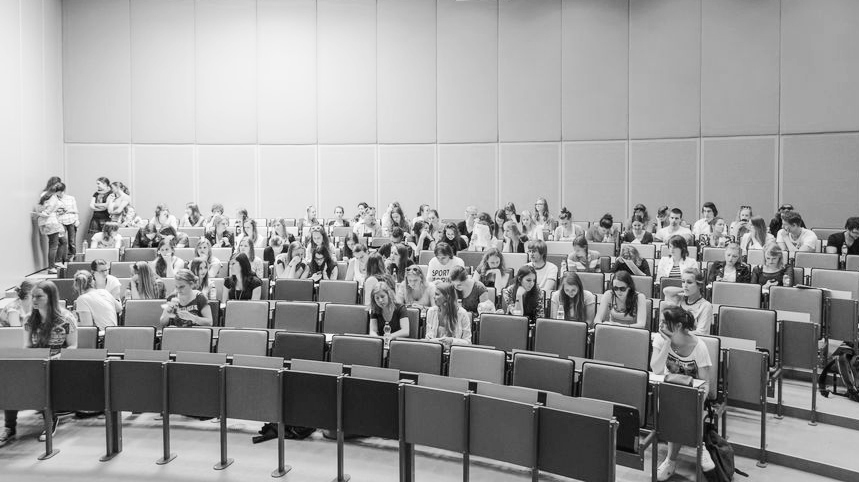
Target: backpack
(845,362)
(722,454)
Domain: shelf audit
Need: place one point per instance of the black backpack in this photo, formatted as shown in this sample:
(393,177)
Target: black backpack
(722,454)
(845,362)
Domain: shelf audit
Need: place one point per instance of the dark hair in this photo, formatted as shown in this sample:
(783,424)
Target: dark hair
(677,211)
(375,265)
(94,264)
(448,310)
(539,246)
(385,250)
(160,264)
(676,316)
(327,264)
(580,242)
(483,266)
(578,303)
(645,216)
(678,241)
(51,181)
(59,187)
(711,206)
(325,241)
(565,214)
(637,218)
(397,233)
(852,223)
(497,228)
(457,273)
(455,232)
(607,221)
(244,267)
(792,217)
(41,329)
(403,252)
(24,289)
(403,224)
(347,251)
(531,299)
(83,281)
(104,181)
(662,211)
(444,249)
(195,212)
(202,278)
(631,306)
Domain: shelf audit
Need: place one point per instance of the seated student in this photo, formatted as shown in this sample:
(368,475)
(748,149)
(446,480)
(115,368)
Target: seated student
(703,225)
(143,284)
(777,220)
(543,220)
(774,270)
(108,237)
(414,291)
(637,232)
(547,273)
(674,228)
(672,266)
(17,312)
(200,268)
(96,307)
(662,215)
(242,283)
(193,217)
(514,240)
(523,297)
(166,265)
(400,237)
(676,349)
(147,237)
(249,231)
(308,221)
(103,280)
(439,267)
(386,312)
(278,228)
(581,258)
(640,210)
(356,270)
(693,301)
(291,265)
(319,239)
(182,240)
(732,269)
(529,226)
(209,222)
(572,302)
(393,218)
(491,270)
(348,245)
(718,236)
(566,230)
(845,242)
(165,223)
(338,221)
(631,262)
(451,236)
(422,232)
(603,231)
(367,227)
(793,237)
(246,247)
(376,274)
(447,322)
(621,304)
(187,306)
(473,294)
(483,234)
(742,223)
(398,262)
(203,249)
(466,226)
(322,266)
(221,236)
(757,237)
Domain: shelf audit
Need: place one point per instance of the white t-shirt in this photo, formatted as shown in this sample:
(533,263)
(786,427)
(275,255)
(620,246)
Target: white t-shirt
(439,272)
(548,272)
(807,241)
(702,310)
(701,226)
(665,233)
(101,305)
(688,365)
(113,286)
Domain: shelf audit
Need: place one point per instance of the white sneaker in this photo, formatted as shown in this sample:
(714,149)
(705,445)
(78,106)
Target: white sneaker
(707,463)
(7,436)
(43,436)
(666,470)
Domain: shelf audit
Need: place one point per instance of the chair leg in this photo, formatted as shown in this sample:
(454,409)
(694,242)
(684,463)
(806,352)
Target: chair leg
(281,469)
(813,421)
(166,456)
(48,416)
(341,476)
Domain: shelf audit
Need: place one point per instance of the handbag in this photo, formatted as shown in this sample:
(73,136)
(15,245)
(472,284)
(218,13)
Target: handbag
(678,379)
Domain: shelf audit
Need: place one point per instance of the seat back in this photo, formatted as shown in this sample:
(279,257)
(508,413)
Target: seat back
(139,254)
(836,280)
(416,356)
(737,294)
(674,399)
(291,345)
(246,314)
(136,385)
(87,337)
(194,389)
(713,254)
(714,348)
(74,267)
(78,384)
(622,344)
(622,385)
(198,339)
(643,284)
(117,339)
(542,372)
(357,350)
(345,319)
(143,312)
(852,262)
(560,337)
(66,290)
(107,254)
(505,332)
(334,291)
(802,300)
(342,267)
(750,324)
(24,378)
(293,289)
(253,393)
(515,261)
(296,316)
(185,254)
(470,258)
(487,414)
(755,257)
(477,363)
(816,260)
(604,249)
(416,328)
(310,398)
(645,251)
(590,455)
(425,256)
(245,342)
(425,406)
(121,269)
(593,282)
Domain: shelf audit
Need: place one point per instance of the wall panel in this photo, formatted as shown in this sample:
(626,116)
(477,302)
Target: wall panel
(407,174)
(467,71)
(287,180)
(740,171)
(664,68)
(739,67)
(347,176)
(529,70)
(529,171)
(162,66)
(467,174)
(53,58)
(171,168)
(347,71)
(819,66)
(286,67)
(819,177)
(96,71)
(664,173)
(226,72)
(594,180)
(595,69)
(227,175)
(407,71)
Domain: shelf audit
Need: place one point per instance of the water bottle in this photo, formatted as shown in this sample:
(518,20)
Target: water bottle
(561,315)
(843,260)
(84,247)
(517,308)
(386,333)
(213,292)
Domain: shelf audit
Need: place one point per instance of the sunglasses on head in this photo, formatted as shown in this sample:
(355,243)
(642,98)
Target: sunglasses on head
(316,228)
(745,207)
(786,208)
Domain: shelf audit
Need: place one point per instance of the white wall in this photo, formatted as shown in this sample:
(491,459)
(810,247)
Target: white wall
(594,104)
(30,124)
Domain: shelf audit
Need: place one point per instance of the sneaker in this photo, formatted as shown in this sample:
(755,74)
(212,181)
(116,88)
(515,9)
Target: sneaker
(7,436)
(707,463)
(52,271)
(44,436)
(666,470)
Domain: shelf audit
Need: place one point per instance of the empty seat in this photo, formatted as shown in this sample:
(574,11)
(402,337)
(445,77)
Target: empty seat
(543,372)
(477,363)
(143,312)
(335,291)
(244,342)
(174,339)
(117,339)
(505,332)
(293,290)
(345,319)
(357,350)
(416,356)
(87,337)
(627,346)
(72,268)
(139,254)
(816,260)
(307,346)
(121,269)
(736,294)
(107,254)
(296,316)
(560,337)
(246,314)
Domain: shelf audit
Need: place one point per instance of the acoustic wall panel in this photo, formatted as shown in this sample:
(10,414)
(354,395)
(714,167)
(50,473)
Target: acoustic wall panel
(819,177)
(407,71)
(286,66)
(32,92)
(162,66)
(467,71)
(227,175)
(163,174)
(347,71)
(53,30)
(97,71)
(819,66)
(467,175)
(595,180)
(407,175)
(226,71)
(287,181)
(664,172)
(595,69)
(528,171)
(87,162)
(664,68)
(347,176)
(739,171)
(529,69)
(739,67)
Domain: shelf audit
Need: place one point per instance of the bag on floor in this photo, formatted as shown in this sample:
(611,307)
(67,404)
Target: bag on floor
(722,454)
(844,362)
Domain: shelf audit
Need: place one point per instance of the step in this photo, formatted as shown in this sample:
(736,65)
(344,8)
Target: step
(833,410)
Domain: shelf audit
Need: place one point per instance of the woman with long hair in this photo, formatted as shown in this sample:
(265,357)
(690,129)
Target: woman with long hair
(291,265)
(447,322)
(573,302)
(514,240)
(524,295)
(16,312)
(732,269)
(356,270)
(388,318)
(544,221)
(414,290)
(529,226)
(50,226)
(451,236)
(144,285)
(773,271)
(622,304)
(246,247)
(399,262)
(108,237)
(203,249)
(94,306)
(165,222)
(250,232)
(629,260)
(98,204)
(742,222)
(471,292)
(309,220)
(322,266)
(200,268)
(242,283)
(718,235)
(187,306)
(221,236)
(119,200)
(193,217)
(757,237)
(376,274)
(491,270)
(581,258)
(167,264)
(147,237)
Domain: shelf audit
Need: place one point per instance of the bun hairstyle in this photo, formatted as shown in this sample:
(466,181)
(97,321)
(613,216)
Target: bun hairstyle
(607,221)
(565,213)
(24,289)
(678,317)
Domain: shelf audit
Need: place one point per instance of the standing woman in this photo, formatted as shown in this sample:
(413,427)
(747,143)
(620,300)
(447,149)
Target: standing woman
(102,307)
(542,218)
(491,270)
(16,312)
(50,226)
(732,269)
(98,204)
(523,297)
(221,236)
(447,322)
(573,302)
(203,249)
(385,312)
(622,304)
(166,265)
(187,306)
(119,200)
(242,283)
(472,293)
(257,264)
(144,285)
(674,264)
(193,217)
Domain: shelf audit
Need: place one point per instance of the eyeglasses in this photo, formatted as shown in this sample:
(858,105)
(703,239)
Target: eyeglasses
(786,207)
(315,229)
(621,289)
